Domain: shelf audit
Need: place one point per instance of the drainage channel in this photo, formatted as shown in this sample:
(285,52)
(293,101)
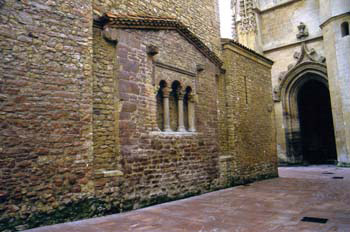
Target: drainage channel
(314,220)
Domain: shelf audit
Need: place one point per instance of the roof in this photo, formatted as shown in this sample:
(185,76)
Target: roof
(159,23)
(235,43)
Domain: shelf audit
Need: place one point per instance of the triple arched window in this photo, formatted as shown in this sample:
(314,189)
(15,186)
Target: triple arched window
(175,107)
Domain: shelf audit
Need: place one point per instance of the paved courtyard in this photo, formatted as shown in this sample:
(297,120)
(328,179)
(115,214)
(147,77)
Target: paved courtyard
(275,205)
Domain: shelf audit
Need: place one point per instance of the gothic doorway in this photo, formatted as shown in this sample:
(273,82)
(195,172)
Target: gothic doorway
(307,114)
(316,123)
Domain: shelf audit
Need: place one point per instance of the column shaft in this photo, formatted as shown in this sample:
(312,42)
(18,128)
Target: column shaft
(191,117)
(181,127)
(166,114)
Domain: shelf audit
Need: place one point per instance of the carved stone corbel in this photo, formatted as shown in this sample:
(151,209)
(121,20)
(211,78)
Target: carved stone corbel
(200,67)
(152,50)
(110,34)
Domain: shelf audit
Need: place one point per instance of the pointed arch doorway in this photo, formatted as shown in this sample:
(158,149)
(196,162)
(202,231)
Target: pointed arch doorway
(307,115)
(316,122)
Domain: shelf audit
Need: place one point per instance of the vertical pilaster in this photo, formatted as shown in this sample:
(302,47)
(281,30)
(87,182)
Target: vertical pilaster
(191,114)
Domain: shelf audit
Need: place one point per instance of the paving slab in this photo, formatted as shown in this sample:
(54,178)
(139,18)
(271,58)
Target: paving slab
(275,205)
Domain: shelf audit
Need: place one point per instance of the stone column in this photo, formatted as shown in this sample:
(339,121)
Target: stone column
(166,115)
(181,127)
(191,117)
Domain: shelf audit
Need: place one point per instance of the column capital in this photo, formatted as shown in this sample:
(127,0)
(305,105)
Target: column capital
(166,92)
(180,94)
(192,97)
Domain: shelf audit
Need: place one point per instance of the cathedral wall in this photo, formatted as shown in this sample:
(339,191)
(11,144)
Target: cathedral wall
(279,25)
(331,8)
(45,109)
(283,58)
(337,50)
(279,28)
(201,16)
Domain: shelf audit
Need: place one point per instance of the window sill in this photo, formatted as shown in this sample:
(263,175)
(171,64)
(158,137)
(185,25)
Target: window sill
(174,133)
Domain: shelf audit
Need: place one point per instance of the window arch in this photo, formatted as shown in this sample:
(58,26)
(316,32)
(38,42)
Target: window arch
(175,107)
(344,29)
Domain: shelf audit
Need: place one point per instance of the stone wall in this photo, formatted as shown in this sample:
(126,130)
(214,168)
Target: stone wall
(106,162)
(201,16)
(45,107)
(164,164)
(250,116)
(79,130)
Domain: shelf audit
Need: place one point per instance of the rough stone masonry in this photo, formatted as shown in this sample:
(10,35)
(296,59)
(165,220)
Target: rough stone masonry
(85,89)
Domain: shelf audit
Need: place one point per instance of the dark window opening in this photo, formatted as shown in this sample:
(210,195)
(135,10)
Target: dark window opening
(345,29)
(173,105)
(188,92)
(160,110)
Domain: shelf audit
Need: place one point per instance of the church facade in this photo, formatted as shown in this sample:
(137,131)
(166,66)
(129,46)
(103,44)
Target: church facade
(108,106)
(309,42)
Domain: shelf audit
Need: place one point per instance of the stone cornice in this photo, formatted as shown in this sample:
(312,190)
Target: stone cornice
(175,69)
(292,44)
(246,52)
(274,7)
(157,23)
(334,18)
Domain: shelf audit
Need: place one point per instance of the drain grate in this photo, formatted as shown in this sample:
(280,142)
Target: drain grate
(338,177)
(327,173)
(314,219)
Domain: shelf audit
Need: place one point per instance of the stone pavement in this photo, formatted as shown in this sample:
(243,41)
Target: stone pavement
(275,205)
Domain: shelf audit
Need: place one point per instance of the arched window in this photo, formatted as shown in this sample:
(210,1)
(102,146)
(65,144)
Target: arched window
(344,29)
(175,108)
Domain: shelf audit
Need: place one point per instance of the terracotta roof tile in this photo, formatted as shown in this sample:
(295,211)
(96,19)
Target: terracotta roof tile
(233,42)
(160,23)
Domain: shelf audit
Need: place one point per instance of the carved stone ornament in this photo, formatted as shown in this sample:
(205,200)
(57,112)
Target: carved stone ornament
(308,55)
(110,34)
(303,31)
(152,50)
(200,67)
(305,55)
(247,14)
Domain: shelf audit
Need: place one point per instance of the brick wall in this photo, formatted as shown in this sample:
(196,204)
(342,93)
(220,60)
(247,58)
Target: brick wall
(79,130)
(45,107)
(160,164)
(250,116)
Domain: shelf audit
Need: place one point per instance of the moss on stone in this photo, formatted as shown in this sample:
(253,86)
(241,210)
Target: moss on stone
(73,211)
